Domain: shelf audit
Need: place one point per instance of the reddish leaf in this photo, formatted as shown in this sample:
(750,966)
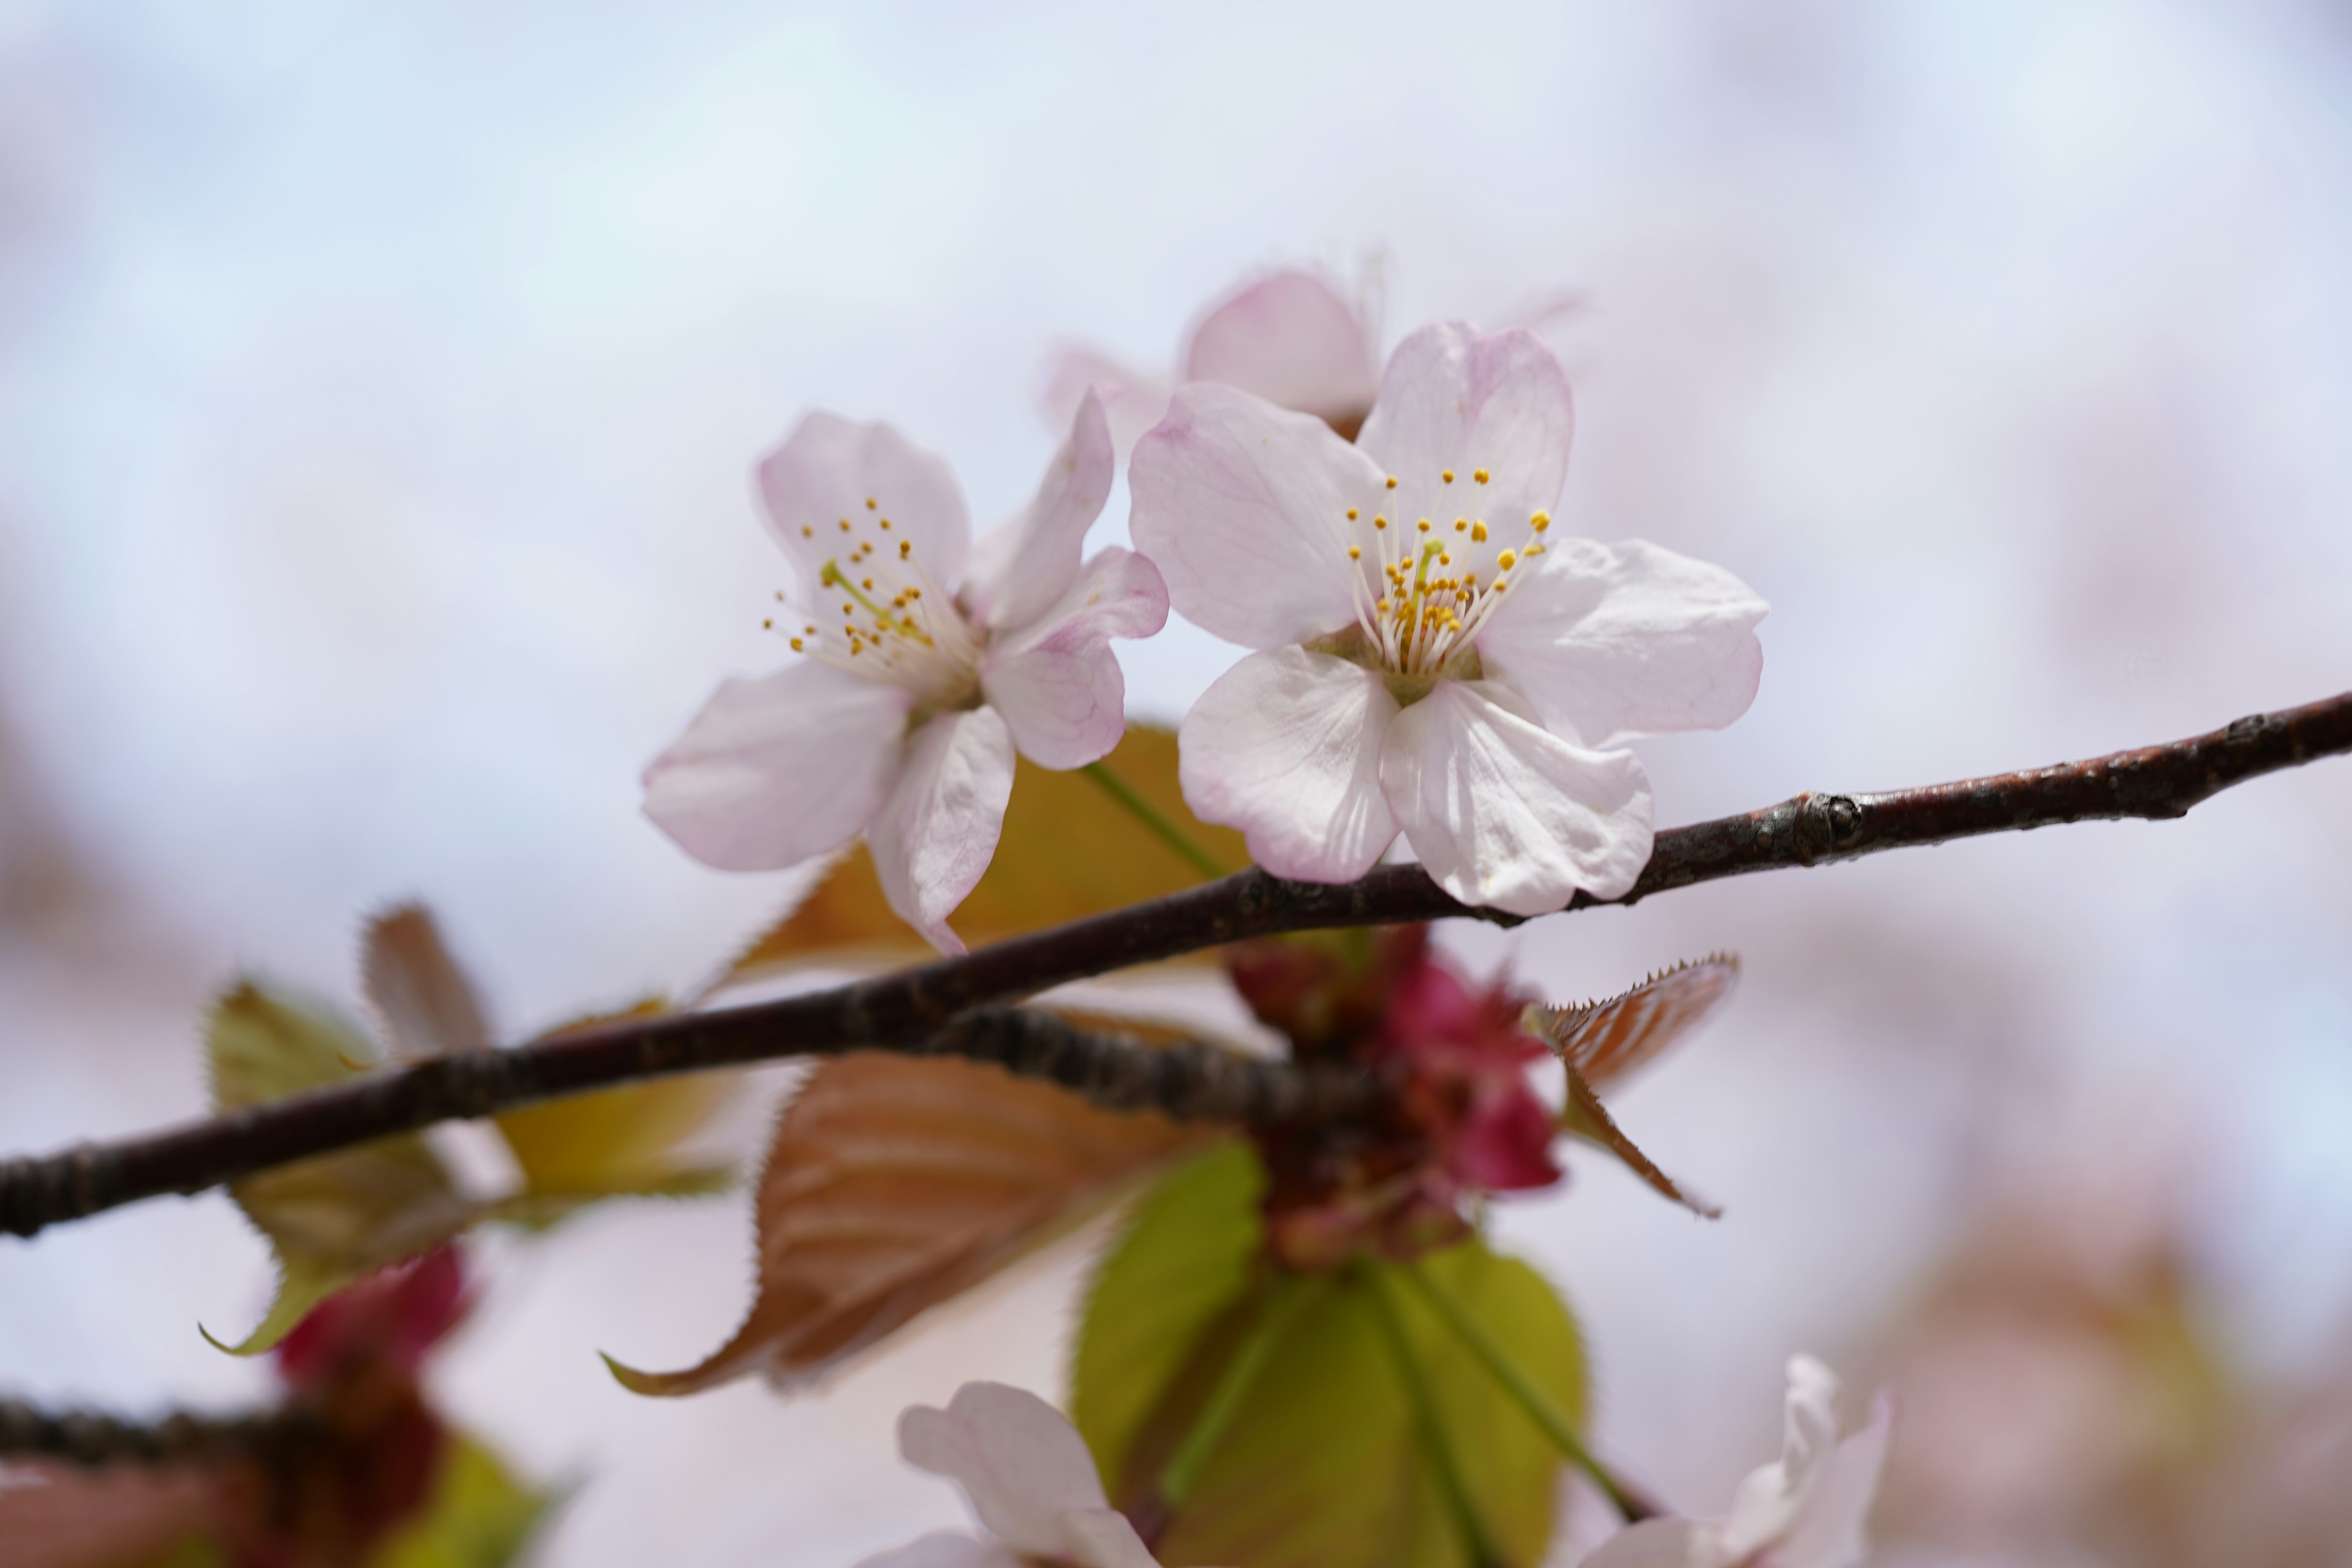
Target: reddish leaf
(59,1516)
(896,1182)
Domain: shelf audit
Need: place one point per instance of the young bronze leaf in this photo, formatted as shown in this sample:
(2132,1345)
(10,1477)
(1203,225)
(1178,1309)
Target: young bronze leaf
(1606,1040)
(1067,850)
(1602,1041)
(420,996)
(616,1142)
(331,1218)
(895,1183)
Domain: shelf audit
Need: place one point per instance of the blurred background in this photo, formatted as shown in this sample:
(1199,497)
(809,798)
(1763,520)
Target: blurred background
(378,390)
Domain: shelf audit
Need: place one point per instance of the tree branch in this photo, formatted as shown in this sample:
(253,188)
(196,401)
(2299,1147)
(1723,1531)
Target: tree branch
(93,1438)
(909,1010)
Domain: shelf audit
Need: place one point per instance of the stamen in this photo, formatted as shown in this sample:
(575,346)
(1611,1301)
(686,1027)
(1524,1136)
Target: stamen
(1478,533)
(1480,475)
(1446,473)
(1461,525)
(1540,521)
(869,503)
(1392,482)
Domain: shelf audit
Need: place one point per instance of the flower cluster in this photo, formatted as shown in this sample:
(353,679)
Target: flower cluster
(1431,660)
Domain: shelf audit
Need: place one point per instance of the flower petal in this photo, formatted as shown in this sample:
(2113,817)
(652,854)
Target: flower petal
(1244,508)
(937,832)
(1020,1461)
(1657,1543)
(1608,641)
(1454,400)
(1133,401)
(1285,746)
(1771,1499)
(775,771)
(1505,814)
(944,1548)
(1056,682)
(1021,567)
(1292,340)
(826,471)
(1103,1538)
(1829,1531)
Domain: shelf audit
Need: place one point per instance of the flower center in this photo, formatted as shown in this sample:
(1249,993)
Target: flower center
(895,624)
(1424,585)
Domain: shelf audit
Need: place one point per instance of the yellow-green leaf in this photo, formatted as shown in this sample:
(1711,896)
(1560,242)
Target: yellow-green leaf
(1323,1463)
(1067,850)
(331,1219)
(479,1517)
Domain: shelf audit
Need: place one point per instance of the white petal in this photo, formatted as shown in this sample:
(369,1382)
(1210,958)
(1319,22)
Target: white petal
(1503,813)
(1292,340)
(1102,1538)
(1608,641)
(826,471)
(1771,1499)
(1453,399)
(944,1548)
(1244,508)
(937,832)
(776,770)
(1019,569)
(1657,1543)
(1133,401)
(1020,1461)
(1055,681)
(1829,1528)
(1285,746)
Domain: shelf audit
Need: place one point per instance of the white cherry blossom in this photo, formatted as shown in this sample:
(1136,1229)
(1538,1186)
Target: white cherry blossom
(1806,1512)
(1432,659)
(1029,1478)
(926,661)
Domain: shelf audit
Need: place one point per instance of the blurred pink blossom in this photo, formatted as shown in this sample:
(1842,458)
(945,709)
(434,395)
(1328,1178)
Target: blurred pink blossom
(1429,661)
(903,716)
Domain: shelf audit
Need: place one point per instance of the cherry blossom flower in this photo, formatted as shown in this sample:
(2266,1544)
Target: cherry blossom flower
(1029,1478)
(1807,1511)
(1432,661)
(902,716)
(1291,338)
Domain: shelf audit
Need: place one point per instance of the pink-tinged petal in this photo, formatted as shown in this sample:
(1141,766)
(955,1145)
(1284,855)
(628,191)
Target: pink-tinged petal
(1830,1530)
(826,471)
(1133,401)
(1102,1538)
(1020,1461)
(1505,815)
(779,770)
(1608,641)
(937,831)
(1456,401)
(1285,746)
(1657,1543)
(1244,508)
(1056,682)
(1020,569)
(944,1548)
(1292,340)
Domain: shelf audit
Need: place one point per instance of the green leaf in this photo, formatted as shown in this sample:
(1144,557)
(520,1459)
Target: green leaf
(1322,1465)
(331,1218)
(479,1517)
(1067,850)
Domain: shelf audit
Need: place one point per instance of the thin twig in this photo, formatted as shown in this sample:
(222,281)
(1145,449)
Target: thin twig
(909,1010)
(93,1438)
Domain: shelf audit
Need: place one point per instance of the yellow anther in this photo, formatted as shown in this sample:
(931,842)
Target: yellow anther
(1355,553)
(1351,514)
(869,503)
(906,548)
(1540,521)
(1478,533)
(1507,560)
(796,645)
(1423,525)
(1392,482)
(767,626)
(845,525)
(807,533)
(848,609)
(1447,475)
(866,584)
(1535,550)
(1444,559)
(1461,525)
(1380,522)
(1480,475)
(886,523)
(914,593)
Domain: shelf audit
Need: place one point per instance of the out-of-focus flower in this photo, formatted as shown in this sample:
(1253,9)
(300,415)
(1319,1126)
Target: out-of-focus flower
(1029,1478)
(902,717)
(1291,338)
(1433,662)
(1806,1512)
(1465,1120)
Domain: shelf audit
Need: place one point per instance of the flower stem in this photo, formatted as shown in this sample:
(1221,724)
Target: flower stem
(1286,1299)
(1143,811)
(1521,1385)
(1442,1460)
